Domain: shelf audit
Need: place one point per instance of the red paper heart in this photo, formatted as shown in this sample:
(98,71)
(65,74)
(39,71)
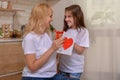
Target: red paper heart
(67,43)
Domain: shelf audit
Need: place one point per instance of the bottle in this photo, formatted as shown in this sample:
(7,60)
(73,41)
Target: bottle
(9,5)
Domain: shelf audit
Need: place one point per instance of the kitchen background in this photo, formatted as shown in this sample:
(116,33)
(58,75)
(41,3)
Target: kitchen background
(102,59)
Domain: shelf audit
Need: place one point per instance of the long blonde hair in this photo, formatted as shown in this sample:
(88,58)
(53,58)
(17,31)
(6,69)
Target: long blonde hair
(37,18)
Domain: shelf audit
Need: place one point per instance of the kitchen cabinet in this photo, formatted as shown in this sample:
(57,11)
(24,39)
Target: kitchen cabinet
(11,60)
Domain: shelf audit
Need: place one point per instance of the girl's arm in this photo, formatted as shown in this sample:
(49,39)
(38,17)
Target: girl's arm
(79,49)
(58,62)
(83,41)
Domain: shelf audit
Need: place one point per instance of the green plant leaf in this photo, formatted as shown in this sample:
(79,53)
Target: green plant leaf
(51,28)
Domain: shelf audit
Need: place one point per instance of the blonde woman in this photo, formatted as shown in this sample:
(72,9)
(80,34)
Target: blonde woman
(38,48)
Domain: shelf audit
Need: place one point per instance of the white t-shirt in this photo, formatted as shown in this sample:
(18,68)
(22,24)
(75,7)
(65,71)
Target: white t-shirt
(38,44)
(75,62)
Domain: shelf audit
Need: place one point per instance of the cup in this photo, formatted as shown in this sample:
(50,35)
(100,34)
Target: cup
(4,4)
(58,34)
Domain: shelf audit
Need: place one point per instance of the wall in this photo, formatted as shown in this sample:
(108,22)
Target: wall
(58,7)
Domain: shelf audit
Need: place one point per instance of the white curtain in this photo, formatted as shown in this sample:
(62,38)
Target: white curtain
(102,59)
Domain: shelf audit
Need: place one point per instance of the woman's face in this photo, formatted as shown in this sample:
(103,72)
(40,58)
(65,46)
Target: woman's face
(48,20)
(69,19)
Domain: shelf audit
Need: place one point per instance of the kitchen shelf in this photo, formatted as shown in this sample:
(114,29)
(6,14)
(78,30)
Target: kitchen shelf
(14,11)
(10,10)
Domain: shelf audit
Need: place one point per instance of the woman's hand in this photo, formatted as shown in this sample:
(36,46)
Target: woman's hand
(57,43)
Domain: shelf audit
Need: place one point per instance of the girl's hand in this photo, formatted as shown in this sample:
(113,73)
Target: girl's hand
(57,43)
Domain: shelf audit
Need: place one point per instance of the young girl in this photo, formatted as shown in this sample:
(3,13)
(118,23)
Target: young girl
(72,66)
(38,48)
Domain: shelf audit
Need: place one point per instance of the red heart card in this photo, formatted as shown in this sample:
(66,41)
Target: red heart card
(67,43)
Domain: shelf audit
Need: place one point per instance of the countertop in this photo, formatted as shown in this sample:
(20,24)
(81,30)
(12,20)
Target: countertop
(10,40)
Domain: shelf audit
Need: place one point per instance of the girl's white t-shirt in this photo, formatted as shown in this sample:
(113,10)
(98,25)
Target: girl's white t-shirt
(75,62)
(38,45)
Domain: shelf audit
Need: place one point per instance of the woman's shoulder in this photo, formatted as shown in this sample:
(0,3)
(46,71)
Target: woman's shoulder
(33,35)
(30,35)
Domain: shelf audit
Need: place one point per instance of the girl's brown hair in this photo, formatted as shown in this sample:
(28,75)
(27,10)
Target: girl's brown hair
(77,15)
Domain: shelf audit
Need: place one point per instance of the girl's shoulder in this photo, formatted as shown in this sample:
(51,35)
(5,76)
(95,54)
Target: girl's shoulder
(83,30)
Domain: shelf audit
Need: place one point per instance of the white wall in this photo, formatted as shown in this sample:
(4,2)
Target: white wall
(58,7)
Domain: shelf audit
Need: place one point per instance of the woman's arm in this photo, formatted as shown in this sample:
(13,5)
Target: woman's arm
(34,63)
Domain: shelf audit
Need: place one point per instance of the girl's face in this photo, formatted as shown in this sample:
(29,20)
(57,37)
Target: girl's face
(69,19)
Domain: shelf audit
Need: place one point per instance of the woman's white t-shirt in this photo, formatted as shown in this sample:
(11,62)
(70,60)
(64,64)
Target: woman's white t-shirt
(38,45)
(75,62)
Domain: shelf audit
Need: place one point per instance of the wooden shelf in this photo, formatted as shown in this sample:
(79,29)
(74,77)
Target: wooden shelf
(10,10)
(14,11)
